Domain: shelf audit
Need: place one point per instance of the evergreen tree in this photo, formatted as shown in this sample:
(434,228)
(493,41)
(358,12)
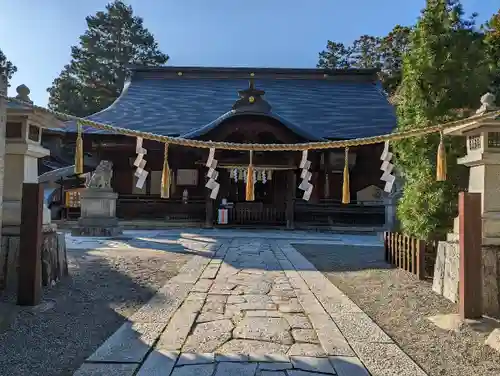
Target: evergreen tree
(369,52)
(335,56)
(442,73)
(393,47)
(492,42)
(7,69)
(97,72)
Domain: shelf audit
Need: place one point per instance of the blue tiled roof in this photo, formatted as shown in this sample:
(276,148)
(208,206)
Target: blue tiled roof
(319,108)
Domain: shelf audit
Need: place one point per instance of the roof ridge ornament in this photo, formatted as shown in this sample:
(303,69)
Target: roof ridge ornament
(251,99)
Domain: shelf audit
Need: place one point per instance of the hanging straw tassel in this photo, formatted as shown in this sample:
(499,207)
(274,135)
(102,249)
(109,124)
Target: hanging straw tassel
(165,176)
(79,150)
(250,192)
(346,194)
(441,160)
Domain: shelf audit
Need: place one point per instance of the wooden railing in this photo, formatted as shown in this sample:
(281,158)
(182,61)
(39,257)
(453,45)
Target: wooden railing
(405,252)
(256,213)
(134,207)
(331,213)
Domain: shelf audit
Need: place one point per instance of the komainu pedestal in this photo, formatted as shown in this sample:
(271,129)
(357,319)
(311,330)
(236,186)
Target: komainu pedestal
(98,213)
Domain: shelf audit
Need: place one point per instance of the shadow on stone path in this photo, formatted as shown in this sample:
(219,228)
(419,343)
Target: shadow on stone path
(255,307)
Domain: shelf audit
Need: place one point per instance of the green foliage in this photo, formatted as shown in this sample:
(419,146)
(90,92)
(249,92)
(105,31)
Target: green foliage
(492,43)
(97,72)
(443,71)
(7,69)
(369,52)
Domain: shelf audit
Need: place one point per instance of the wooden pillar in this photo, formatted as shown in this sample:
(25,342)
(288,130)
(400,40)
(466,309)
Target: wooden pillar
(209,209)
(290,199)
(30,247)
(470,242)
(3,122)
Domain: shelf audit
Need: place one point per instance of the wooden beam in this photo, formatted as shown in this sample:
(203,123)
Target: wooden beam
(30,260)
(470,242)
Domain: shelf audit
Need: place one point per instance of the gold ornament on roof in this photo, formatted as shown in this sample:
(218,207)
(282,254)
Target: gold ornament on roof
(251,99)
(179,73)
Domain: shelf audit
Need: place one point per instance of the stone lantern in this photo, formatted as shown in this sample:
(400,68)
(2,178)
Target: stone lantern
(483,159)
(23,133)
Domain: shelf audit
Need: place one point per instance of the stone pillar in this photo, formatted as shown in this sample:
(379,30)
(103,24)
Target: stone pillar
(3,121)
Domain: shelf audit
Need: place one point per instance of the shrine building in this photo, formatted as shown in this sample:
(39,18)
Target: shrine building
(241,105)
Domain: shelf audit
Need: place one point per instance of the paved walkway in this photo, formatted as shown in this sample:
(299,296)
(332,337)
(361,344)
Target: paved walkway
(249,307)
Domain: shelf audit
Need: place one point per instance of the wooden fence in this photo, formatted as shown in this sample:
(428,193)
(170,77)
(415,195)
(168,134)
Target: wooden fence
(405,252)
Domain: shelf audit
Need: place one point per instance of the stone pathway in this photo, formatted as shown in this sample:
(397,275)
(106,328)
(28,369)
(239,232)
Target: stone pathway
(256,307)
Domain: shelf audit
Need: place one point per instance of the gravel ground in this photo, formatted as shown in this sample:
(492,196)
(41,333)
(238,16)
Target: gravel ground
(82,311)
(400,305)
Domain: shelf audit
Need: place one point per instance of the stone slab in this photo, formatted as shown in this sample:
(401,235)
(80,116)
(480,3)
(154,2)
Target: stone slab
(298,321)
(130,343)
(298,372)
(277,366)
(207,337)
(386,359)
(179,327)
(158,362)
(106,369)
(269,329)
(193,370)
(272,373)
(195,358)
(211,271)
(313,364)
(360,327)
(163,304)
(304,335)
(203,285)
(306,349)
(236,369)
(253,347)
(348,366)
(235,357)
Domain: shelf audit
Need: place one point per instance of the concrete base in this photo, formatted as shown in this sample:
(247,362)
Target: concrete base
(98,213)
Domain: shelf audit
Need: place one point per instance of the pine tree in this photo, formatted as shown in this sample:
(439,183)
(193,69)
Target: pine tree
(335,56)
(492,42)
(94,78)
(370,52)
(443,74)
(7,69)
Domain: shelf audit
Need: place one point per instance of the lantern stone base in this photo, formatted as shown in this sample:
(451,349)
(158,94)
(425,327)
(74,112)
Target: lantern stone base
(98,214)
(491,280)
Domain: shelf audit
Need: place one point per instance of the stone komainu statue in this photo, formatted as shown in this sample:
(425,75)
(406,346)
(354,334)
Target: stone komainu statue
(101,177)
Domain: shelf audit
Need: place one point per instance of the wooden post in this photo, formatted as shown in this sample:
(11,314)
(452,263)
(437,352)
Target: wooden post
(30,247)
(209,209)
(290,199)
(420,267)
(470,241)
(3,123)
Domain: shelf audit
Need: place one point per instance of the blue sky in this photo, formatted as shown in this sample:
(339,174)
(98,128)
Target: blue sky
(36,35)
